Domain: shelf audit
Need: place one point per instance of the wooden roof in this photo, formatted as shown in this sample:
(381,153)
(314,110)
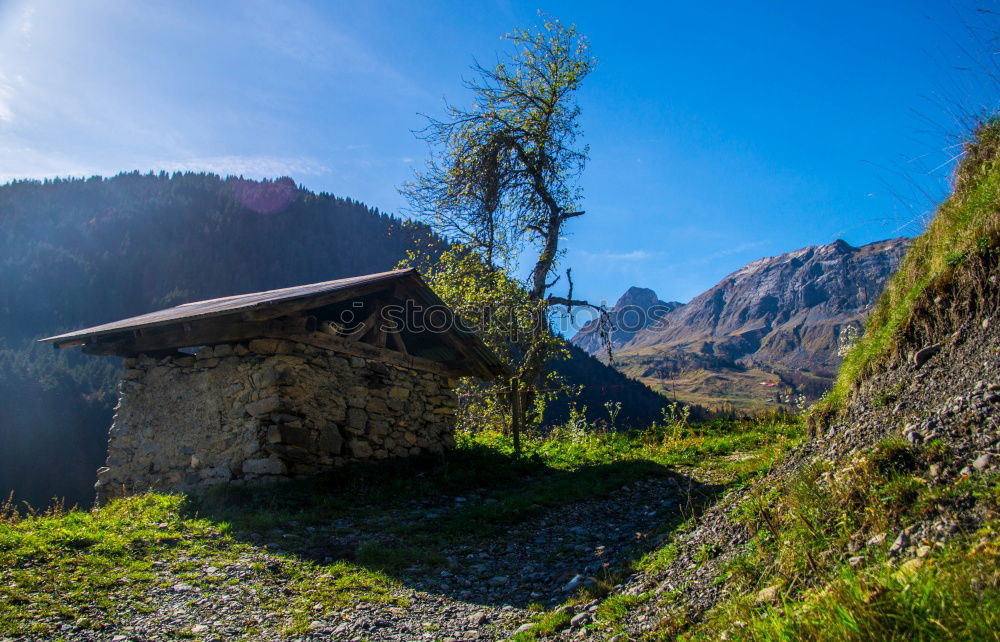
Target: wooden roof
(285,313)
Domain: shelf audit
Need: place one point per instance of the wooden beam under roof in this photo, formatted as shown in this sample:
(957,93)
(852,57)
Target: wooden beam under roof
(207,332)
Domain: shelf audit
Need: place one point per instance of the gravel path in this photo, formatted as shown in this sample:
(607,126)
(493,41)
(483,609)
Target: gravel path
(480,589)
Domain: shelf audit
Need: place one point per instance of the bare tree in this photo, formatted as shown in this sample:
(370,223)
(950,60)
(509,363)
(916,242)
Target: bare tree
(502,175)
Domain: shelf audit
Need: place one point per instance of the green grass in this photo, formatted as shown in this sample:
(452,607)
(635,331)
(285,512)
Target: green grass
(810,540)
(554,470)
(85,567)
(88,568)
(545,624)
(952,596)
(616,607)
(948,257)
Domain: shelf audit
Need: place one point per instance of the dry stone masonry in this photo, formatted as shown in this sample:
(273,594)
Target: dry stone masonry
(267,409)
(288,382)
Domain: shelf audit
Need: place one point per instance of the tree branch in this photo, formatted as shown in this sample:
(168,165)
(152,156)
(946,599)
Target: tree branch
(570,303)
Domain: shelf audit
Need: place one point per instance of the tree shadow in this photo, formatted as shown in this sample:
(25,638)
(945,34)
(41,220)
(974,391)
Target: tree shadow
(476,525)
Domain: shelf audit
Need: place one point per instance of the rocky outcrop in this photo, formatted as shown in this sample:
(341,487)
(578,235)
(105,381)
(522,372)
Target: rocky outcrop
(635,311)
(269,409)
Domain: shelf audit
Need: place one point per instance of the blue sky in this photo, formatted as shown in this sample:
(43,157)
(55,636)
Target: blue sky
(719,132)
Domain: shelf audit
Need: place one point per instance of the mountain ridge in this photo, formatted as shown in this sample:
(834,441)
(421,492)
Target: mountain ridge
(774,323)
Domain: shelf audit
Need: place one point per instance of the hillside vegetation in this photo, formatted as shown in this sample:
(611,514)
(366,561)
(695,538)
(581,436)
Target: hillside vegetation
(946,279)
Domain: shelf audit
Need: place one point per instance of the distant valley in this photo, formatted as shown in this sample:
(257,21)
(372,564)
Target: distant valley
(762,337)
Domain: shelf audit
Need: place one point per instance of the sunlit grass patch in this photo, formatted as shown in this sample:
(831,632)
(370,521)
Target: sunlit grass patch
(951,596)
(88,567)
(821,547)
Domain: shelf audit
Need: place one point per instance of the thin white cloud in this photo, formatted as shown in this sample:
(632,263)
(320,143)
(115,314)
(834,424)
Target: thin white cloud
(27,16)
(730,251)
(305,36)
(82,94)
(6,93)
(634,255)
(250,166)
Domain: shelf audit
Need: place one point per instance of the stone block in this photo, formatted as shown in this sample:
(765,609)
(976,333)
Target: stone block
(264,406)
(269,466)
(217,473)
(222,350)
(399,392)
(330,440)
(293,436)
(359,449)
(357,418)
(289,453)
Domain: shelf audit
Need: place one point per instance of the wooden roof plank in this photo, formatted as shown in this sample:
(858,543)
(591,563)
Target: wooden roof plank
(246,316)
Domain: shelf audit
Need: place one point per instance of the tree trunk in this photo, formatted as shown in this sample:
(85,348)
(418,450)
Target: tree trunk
(516,414)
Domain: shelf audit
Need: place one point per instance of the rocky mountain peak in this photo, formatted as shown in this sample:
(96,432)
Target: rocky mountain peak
(642,297)
(783,312)
(634,311)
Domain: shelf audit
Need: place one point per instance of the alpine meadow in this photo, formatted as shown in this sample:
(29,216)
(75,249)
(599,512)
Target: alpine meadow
(328,321)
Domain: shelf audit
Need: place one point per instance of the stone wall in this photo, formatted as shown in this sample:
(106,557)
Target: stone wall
(269,409)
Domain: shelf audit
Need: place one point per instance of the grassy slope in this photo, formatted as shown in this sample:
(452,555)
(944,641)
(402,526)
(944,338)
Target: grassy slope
(820,564)
(91,568)
(811,573)
(964,234)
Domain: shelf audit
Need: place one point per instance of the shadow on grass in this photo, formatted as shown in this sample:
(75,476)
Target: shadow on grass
(471,525)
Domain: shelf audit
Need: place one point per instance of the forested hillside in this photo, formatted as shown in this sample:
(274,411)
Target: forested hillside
(81,252)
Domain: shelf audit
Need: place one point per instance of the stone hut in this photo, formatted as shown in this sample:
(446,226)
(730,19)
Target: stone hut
(283,383)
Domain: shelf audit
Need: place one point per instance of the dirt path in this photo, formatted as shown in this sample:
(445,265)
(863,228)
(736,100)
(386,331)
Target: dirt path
(478,588)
